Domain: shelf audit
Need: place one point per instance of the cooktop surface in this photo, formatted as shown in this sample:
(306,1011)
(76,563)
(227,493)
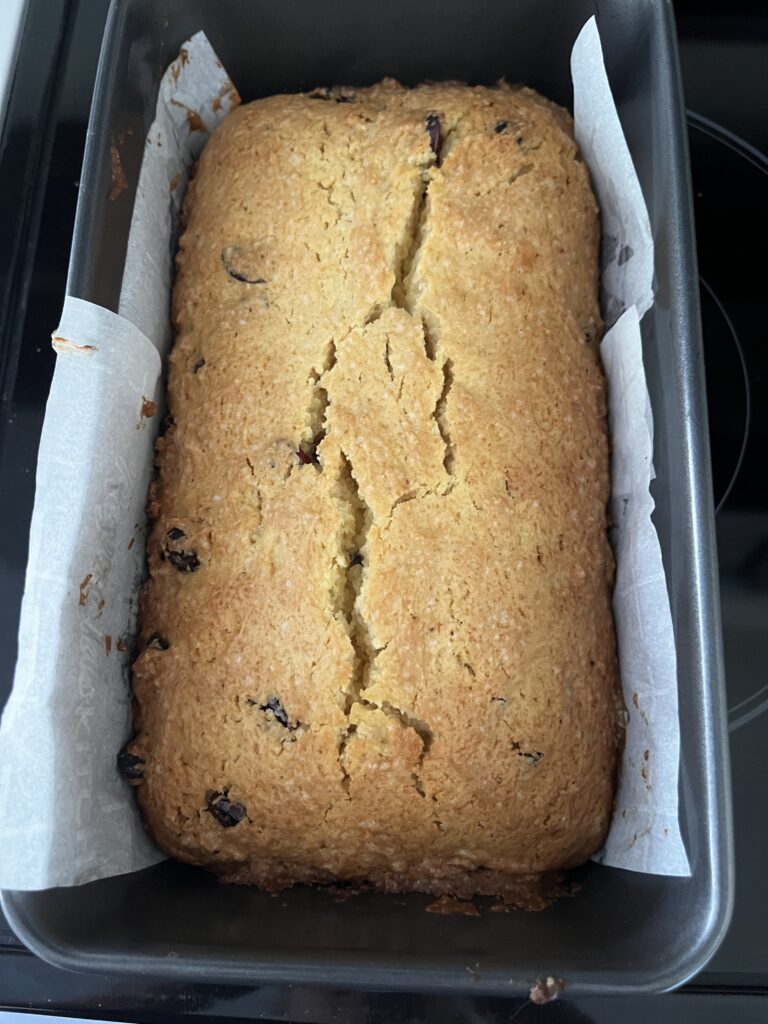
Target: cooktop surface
(724,54)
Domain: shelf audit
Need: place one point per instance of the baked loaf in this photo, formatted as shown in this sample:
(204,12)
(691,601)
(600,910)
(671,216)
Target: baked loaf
(376,638)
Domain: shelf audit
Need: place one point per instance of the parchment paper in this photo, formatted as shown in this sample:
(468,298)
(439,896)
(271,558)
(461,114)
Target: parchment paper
(65,815)
(645,831)
(70,708)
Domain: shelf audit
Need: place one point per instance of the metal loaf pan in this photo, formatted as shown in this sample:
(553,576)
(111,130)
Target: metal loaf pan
(624,932)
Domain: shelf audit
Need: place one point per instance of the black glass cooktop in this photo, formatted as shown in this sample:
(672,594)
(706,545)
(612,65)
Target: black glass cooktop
(724,51)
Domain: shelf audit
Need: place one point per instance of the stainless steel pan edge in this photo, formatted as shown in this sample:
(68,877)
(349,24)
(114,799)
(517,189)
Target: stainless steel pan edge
(624,933)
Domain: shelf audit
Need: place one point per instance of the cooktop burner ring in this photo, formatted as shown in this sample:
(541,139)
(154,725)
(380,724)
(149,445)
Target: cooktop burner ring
(747,397)
(729,357)
(728,138)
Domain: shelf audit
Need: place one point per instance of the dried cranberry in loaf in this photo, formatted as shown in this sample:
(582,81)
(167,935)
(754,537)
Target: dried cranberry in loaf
(241,262)
(227,813)
(183,561)
(130,766)
(180,558)
(433,129)
(275,706)
(308,458)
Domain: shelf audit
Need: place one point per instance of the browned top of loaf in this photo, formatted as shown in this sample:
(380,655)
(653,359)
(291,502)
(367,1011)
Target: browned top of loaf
(396,660)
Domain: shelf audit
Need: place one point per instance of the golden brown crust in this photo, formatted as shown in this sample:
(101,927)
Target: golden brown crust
(378,568)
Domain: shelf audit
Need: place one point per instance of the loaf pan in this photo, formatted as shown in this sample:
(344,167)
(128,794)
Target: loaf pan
(623,932)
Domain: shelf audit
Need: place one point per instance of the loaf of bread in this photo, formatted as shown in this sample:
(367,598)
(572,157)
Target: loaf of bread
(376,638)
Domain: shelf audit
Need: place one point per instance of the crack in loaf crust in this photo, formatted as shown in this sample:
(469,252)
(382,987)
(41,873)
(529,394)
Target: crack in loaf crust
(377,641)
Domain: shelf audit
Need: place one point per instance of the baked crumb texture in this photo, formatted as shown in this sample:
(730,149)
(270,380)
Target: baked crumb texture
(376,638)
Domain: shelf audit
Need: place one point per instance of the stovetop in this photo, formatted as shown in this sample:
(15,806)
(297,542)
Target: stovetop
(724,53)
